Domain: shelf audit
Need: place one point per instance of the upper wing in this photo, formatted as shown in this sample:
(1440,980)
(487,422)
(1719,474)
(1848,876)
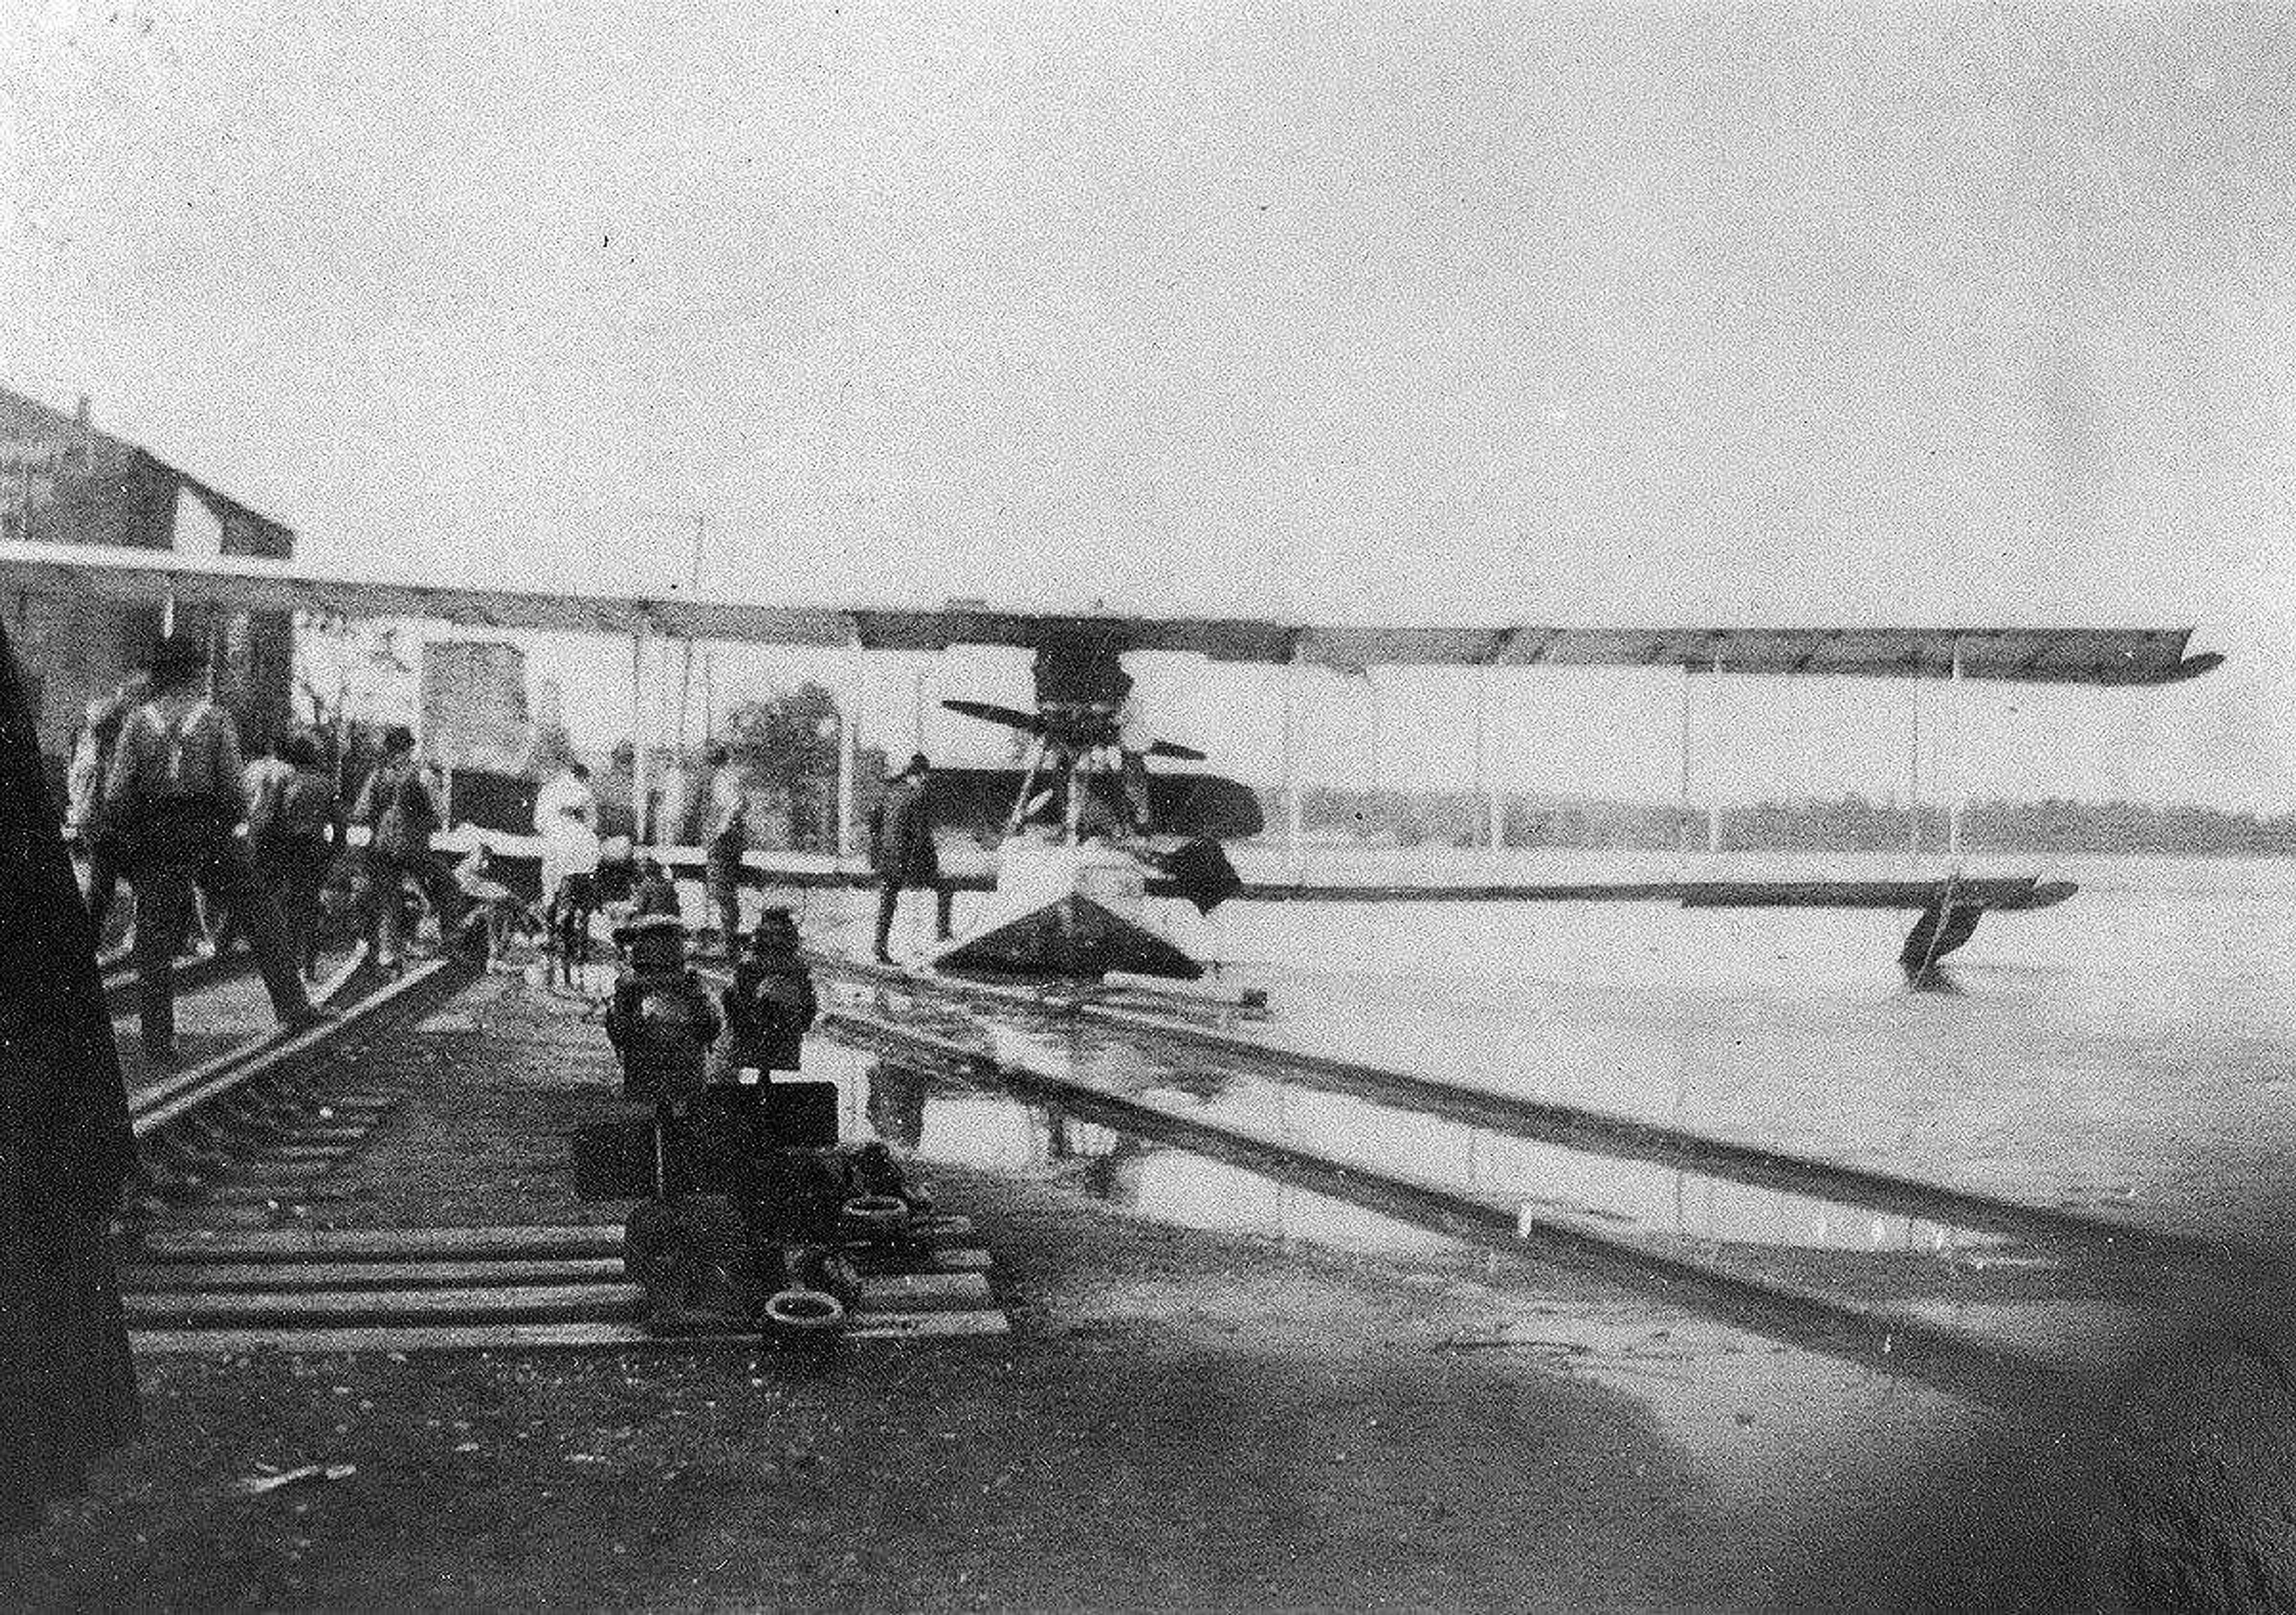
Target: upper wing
(2052,655)
(2064,656)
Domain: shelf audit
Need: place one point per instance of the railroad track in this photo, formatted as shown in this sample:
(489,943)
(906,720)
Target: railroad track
(2026,1307)
(1571,1127)
(252,1134)
(501,1288)
(259,1105)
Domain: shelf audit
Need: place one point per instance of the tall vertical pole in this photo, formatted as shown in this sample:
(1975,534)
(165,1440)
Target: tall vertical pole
(848,737)
(685,676)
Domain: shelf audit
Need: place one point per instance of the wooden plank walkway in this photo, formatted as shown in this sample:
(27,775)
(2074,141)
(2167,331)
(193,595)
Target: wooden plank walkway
(544,1287)
(539,1337)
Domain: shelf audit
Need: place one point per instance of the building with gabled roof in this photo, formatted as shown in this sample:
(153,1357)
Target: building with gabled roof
(64,481)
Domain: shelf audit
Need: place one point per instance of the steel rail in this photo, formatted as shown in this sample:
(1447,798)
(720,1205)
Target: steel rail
(1947,1359)
(159,1104)
(1596,1132)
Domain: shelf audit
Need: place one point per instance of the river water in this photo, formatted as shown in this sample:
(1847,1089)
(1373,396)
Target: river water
(2125,1052)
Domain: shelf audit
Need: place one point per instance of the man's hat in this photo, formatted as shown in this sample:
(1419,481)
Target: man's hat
(177,658)
(776,931)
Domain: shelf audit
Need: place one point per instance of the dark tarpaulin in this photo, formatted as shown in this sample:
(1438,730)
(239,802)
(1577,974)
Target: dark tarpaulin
(67,1387)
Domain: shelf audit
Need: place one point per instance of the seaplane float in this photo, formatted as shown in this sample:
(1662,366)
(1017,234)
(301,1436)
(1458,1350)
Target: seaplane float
(1084,833)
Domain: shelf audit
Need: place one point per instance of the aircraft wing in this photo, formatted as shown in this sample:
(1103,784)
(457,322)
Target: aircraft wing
(519,854)
(2070,655)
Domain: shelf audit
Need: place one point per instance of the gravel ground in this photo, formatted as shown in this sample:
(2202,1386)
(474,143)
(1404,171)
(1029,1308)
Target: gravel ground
(1180,1420)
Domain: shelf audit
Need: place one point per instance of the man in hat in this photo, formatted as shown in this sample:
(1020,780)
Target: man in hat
(401,816)
(902,851)
(770,1004)
(85,817)
(174,789)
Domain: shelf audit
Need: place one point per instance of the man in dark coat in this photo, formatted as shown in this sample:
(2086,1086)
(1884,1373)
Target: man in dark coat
(771,1003)
(396,805)
(175,788)
(67,1388)
(901,849)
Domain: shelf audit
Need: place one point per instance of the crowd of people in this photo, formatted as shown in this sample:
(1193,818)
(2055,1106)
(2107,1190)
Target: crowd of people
(161,796)
(300,841)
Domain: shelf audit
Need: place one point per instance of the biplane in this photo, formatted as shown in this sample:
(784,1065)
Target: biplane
(1084,832)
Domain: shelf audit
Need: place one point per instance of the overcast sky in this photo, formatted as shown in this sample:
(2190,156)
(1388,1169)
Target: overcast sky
(1539,313)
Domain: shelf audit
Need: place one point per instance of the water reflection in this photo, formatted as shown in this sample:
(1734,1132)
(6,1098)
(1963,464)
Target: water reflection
(939,1118)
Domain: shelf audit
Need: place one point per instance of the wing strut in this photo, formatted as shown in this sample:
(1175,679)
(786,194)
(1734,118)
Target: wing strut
(1913,765)
(1484,784)
(1960,797)
(1682,794)
(637,735)
(1292,811)
(849,723)
(1713,792)
(1377,743)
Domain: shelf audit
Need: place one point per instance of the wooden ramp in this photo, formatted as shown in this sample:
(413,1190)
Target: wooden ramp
(548,1287)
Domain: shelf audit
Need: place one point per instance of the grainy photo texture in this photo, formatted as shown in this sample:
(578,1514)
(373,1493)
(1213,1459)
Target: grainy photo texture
(1038,807)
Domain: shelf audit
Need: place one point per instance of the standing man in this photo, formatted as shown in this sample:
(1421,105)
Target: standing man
(174,789)
(569,866)
(1132,742)
(724,838)
(567,791)
(85,815)
(902,851)
(288,819)
(395,805)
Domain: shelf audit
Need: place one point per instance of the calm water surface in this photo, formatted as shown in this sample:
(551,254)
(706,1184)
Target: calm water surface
(2127,1052)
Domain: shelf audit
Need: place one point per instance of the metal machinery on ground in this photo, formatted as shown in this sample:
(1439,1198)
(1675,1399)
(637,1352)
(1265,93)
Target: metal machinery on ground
(750,1212)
